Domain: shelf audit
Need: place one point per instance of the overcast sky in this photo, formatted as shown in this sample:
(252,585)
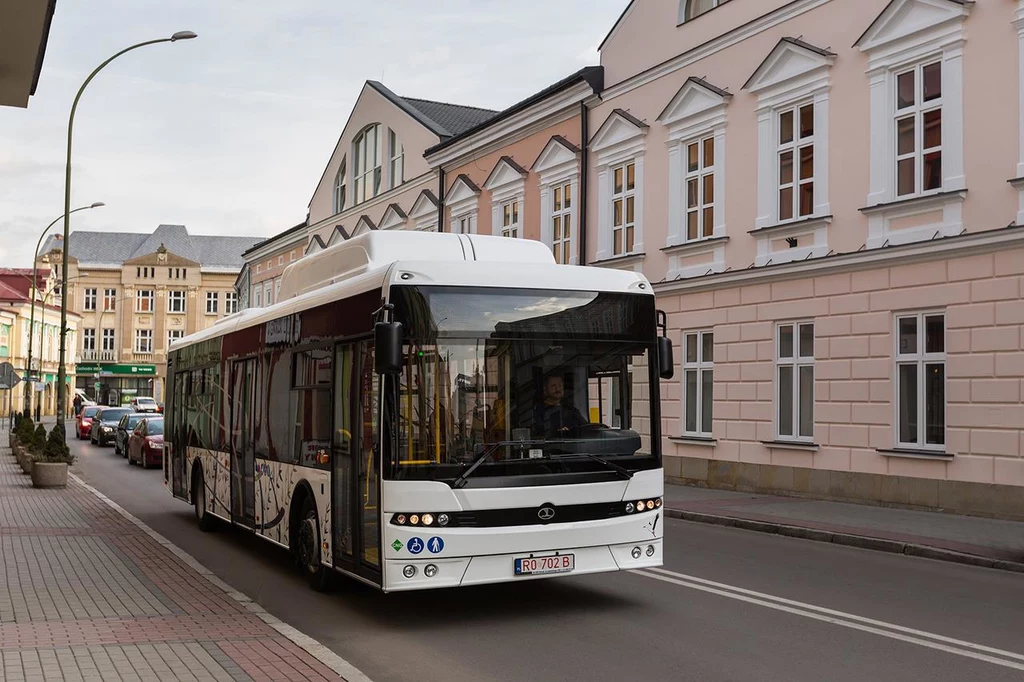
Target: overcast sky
(229,133)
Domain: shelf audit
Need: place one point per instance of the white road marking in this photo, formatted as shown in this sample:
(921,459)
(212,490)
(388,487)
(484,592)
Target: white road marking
(1007,659)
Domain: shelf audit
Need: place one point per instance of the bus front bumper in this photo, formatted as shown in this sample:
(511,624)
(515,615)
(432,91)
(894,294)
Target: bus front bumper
(496,568)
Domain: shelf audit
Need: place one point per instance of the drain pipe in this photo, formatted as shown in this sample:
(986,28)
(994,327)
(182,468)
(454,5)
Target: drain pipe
(440,199)
(584,173)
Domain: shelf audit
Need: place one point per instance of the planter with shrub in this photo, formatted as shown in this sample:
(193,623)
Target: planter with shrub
(50,466)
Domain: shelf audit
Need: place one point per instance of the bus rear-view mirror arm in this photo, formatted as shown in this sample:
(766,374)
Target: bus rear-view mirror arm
(666,365)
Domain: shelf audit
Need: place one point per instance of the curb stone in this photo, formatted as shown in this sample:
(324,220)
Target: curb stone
(339,665)
(849,540)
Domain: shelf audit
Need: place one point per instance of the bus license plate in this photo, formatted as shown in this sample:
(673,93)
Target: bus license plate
(539,565)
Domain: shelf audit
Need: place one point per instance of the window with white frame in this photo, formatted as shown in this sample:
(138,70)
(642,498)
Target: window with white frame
(143,340)
(268,292)
(510,219)
(90,299)
(144,301)
(340,188)
(623,208)
(561,222)
(175,301)
(89,339)
(918,121)
(794,381)
(921,381)
(795,162)
(396,165)
(174,335)
(230,302)
(277,289)
(212,302)
(698,383)
(700,188)
(108,340)
(368,168)
(257,296)
(465,224)
(280,259)
(109,300)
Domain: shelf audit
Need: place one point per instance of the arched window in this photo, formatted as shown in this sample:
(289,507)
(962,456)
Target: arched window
(689,9)
(367,169)
(339,188)
(396,154)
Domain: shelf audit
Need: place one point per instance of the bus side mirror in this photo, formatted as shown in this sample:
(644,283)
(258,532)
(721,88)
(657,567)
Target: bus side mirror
(666,367)
(387,341)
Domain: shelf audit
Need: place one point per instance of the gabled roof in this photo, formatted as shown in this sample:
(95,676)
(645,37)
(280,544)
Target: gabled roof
(690,89)
(787,49)
(592,75)
(118,247)
(441,118)
(616,25)
(503,163)
(894,8)
(316,243)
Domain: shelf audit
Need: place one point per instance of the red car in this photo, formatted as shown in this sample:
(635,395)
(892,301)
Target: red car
(83,422)
(146,444)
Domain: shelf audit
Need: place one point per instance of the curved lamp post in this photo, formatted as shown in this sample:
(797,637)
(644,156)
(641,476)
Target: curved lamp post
(61,369)
(35,290)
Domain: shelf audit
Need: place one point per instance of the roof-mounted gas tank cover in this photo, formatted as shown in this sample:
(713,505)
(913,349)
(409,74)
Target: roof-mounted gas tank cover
(380,249)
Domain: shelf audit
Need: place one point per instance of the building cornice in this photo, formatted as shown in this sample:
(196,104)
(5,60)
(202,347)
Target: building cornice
(958,246)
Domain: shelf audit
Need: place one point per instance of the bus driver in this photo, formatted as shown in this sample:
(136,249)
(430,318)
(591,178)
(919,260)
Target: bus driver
(553,418)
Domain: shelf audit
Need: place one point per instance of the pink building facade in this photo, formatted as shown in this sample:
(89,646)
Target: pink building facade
(828,196)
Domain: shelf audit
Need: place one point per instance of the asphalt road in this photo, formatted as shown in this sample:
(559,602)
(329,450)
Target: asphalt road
(728,605)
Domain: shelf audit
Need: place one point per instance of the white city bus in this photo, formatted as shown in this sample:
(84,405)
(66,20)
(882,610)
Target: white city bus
(430,410)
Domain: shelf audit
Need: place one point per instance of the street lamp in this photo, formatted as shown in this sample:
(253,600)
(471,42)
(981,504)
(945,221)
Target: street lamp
(42,341)
(35,291)
(61,369)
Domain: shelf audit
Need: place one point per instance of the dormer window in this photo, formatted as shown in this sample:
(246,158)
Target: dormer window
(691,9)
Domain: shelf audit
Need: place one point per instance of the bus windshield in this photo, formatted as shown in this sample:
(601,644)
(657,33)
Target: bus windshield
(535,382)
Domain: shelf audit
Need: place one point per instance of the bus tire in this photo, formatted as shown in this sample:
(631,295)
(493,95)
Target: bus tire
(307,546)
(204,520)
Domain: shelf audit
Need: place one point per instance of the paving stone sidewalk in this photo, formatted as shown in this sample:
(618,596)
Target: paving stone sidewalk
(967,539)
(89,595)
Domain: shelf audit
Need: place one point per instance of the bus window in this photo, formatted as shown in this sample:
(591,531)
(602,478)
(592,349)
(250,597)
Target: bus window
(311,405)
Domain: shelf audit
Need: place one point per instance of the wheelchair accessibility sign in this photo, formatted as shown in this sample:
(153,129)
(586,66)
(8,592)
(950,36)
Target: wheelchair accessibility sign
(415,545)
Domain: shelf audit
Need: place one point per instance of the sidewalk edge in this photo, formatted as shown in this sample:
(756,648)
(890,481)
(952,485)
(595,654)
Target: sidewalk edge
(339,665)
(850,540)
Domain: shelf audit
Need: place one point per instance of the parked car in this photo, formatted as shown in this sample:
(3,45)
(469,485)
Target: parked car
(83,422)
(144,404)
(124,431)
(104,424)
(146,444)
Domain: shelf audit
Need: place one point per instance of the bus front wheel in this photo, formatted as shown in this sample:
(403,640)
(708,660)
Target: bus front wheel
(307,547)
(204,520)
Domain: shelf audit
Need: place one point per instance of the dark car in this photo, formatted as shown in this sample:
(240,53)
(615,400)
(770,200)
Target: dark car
(124,431)
(83,422)
(146,444)
(105,423)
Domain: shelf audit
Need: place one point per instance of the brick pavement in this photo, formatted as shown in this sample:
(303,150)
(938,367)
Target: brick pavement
(89,595)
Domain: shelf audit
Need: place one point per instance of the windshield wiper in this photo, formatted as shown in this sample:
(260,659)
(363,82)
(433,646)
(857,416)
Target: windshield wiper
(461,480)
(620,470)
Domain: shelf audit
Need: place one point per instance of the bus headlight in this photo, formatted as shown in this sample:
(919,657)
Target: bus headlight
(442,519)
(409,571)
(629,507)
(641,505)
(635,552)
(414,519)
(430,570)
(650,550)
(428,519)
(400,519)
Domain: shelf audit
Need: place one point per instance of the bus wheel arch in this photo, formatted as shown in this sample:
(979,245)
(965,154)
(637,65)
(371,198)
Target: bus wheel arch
(304,537)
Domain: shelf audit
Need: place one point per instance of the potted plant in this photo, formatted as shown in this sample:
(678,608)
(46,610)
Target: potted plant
(25,434)
(50,467)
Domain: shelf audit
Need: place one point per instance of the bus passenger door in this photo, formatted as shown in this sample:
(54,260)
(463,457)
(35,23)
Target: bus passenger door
(355,470)
(243,486)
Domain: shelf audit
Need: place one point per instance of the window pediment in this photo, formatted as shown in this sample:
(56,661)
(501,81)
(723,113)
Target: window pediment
(697,97)
(338,235)
(363,225)
(557,153)
(425,206)
(394,218)
(505,173)
(619,127)
(903,19)
(790,63)
(463,189)
(315,244)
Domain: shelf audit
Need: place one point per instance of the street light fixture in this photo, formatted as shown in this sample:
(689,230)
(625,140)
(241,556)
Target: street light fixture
(35,291)
(61,369)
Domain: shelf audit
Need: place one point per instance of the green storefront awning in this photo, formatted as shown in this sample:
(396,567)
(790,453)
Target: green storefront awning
(116,370)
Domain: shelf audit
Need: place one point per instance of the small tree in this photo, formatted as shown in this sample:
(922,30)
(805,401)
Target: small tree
(38,441)
(25,431)
(56,450)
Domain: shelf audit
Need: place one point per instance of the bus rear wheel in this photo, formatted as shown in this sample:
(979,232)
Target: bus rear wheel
(307,547)
(204,520)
